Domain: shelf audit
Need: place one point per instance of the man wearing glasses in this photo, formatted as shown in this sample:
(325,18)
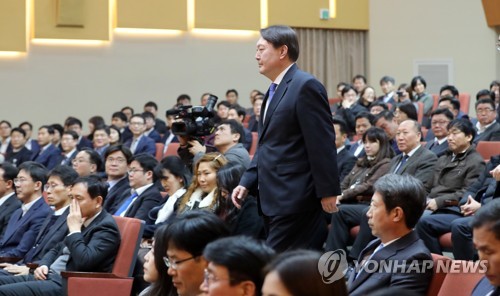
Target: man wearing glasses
(140,143)
(488,129)
(25,223)
(117,158)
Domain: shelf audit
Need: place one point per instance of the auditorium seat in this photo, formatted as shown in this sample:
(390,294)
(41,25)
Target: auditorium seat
(487,149)
(159,151)
(437,278)
(255,142)
(172,149)
(461,282)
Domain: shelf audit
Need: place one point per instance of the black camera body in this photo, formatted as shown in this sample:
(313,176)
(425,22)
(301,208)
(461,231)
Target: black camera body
(195,121)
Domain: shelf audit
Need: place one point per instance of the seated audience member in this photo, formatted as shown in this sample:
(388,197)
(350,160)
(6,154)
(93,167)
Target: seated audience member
(117,158)
(452,104)
(160,125)
(184,256)
(386,121)
(349,108)
(396,206)
(175,178)
(239,114)
(253,94)
(87,162)
(75,124)
(367,96)
(91,249)
(150,130)
(101,139)
(232,98)
(119,120)
(345,159)
(457,169)
(405,111)
(139,143)
(440,118)
(403,94)
(115,136)
(8,198)
(69,140)
(203,193)
(93,123)
(483,94)
(253,123)
(357,188)
(487,128)
(387,85)
(495,91)
(418,85)
(378,107)
(128,111)
(154,269)
(222,111)
(54,228)
(359,82)
(245,220)
(169,136)
(49,154)
(363,123)
(456,219)
(235,266)
(5,129)
(228,136)
(19,153)
(184,100)
(486,236)
(31,144)
(296,273)
(25,222)
(145,195)
(58,131)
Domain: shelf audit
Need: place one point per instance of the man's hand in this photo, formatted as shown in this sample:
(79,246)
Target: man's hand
(17,269)
(329,204)
(196,147)
(3,265)
(74,220)
(239,195)
(470,207)
(432,205)
(41,273)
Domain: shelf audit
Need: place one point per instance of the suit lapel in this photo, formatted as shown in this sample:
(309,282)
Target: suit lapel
(412,159)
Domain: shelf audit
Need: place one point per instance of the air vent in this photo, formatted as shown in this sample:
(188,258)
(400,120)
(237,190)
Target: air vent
(435,72)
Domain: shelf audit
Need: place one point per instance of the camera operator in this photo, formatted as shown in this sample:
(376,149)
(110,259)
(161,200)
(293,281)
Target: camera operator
(228,141)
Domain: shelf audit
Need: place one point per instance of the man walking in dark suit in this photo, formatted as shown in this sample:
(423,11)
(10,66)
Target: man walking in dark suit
(91,245)
(397,204)
(295,167)
(8,199)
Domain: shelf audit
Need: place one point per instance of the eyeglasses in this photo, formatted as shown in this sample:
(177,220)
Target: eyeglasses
(441,123)
(18,181)
(174,264)
(483,111)
(118,160)
(210,278)
(79,160)
(133,171)
(136,123)
(49,186)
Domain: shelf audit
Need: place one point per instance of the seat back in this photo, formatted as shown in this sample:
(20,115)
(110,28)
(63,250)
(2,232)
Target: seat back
(420,112)
(462,280)
(437,278)
(159,151)
(172,149)
(131,230)
(464,99)
(255,140)
(487,149)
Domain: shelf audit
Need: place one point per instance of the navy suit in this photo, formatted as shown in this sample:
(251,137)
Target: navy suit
(92,250)
(84,142)
(436,148)
(21,232)
(492,133)
(354,147)
(34,147)
(6,210)
(149,199)
(49,157)
(345,162)
(408,248)
(296,163)
(155,136)
(116,195)
(145,145)
(483,287)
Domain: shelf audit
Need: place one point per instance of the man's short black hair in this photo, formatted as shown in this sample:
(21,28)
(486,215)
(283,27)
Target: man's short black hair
(147,163)
(19,130)
(26,123)
(451,88)
(463,125)
(236,128)
(341,123)
(359,76)
(151,104)
(387,115)
(120,115)
(6,122)
(64,172)
(95,187)
(147,114)
(72,121)
(486,101)
(453,101)
(37,171)
(445,111)
(282,35)
(240,111)
(73,134)
(9,171)
(183,97)
(224,103)
(231,91)
(120,147)
(49,129)
(366,115)
(387,79)
(94,157)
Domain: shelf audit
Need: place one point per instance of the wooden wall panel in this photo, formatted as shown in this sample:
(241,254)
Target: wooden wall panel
(152,14)
(227,14)
(13,25)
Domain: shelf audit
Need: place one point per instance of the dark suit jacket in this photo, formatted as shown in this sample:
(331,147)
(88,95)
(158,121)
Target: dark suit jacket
(408,247)
(483,287)
(17,158)
(145,145)
(439,150)
(126,134)
(84,142)
(48,238)
(492,133)
(349,115)
(144,203)
(21,232)
(116,195)
(94,249)
(165,137)
(48,157)
(355,146)
(160,126)
(34,146)
(345,162)
(6,210)
(155,136)
(247,141)
(296,163)
(420,165)
(253,124)
(68,161)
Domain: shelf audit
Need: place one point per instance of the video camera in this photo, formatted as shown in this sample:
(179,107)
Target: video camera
(196,121)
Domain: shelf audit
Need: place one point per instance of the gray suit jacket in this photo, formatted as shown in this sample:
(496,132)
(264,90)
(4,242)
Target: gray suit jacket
(420,165)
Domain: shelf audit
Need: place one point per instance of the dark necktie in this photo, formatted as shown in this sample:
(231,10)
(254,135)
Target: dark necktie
(402,163)
(496,292)
(272,89)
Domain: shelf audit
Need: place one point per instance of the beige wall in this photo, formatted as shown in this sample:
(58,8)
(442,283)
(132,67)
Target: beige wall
(402,31)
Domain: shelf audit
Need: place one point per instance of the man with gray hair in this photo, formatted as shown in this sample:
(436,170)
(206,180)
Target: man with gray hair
(396,206)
